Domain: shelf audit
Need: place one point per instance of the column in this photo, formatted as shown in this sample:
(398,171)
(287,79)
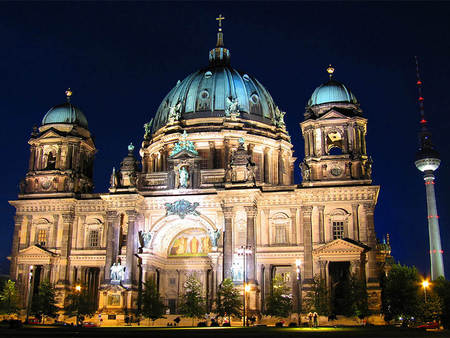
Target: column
(266,166)
(32,156)
(355,207)
(212,155)
(371,242)
(307,243)
(294,226)
(227,242)
(251,259)
(321,224)
(18,220)
(280,167)
(67,228)
(145,163)
(131,247)
(112,223)
(227,150)
(275,165)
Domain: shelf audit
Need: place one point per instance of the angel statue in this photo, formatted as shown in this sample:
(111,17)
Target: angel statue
(174,112)
(232,109)
(279,118)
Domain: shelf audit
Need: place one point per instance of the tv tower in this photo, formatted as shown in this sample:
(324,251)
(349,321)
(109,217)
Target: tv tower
(428,161)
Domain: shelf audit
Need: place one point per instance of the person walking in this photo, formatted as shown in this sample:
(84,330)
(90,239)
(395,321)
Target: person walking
(316,319)
(310,319)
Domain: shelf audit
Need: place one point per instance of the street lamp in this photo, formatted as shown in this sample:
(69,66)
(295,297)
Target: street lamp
(425,284)
(245,250)
(77,299)
(30,291)
(298,263)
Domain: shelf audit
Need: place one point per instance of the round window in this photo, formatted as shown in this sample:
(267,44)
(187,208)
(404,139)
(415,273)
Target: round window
(246,77)
(208,74)
(204,94)
(254,98)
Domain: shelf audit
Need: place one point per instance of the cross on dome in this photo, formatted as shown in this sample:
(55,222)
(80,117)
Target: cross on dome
(220,18)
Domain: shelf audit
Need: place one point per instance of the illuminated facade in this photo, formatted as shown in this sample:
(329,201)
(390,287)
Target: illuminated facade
(216,172)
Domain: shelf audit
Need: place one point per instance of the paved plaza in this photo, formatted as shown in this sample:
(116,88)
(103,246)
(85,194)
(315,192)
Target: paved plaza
(374,332)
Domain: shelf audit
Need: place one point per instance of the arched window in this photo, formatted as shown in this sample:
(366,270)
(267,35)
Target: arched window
(338,220)
(334,143)
(280,229)
(51,161)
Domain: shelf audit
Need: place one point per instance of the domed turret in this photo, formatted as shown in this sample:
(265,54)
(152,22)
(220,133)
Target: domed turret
(332,94)
(65,113)
(331,91)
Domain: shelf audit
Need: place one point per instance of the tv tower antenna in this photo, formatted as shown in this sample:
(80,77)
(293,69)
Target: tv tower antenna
(428,161)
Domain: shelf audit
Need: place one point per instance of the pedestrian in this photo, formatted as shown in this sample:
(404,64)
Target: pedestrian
(310,319)
(316,319)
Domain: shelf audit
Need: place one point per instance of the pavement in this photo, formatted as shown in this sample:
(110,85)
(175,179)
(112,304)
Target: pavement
(235,332)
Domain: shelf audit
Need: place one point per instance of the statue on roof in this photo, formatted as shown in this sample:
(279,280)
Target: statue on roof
(232,109)
(174,112)
(279,118)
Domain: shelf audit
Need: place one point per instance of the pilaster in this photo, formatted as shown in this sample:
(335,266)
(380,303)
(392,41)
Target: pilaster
(227,242)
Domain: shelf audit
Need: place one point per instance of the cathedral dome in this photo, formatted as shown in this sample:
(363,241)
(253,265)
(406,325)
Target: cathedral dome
(332,91)
(206,93)
(210,91)
(65,113)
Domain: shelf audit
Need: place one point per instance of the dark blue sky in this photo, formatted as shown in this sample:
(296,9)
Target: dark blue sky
(121,59)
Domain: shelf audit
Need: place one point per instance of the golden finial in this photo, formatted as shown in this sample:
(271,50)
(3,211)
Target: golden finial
(220,18)
(68,94)
(330,71)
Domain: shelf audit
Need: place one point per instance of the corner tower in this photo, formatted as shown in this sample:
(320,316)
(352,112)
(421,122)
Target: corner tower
(61,154)
(428,161)
(334,133)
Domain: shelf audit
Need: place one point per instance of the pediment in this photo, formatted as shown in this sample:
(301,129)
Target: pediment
(332,114)
(341,247)
(183,154)
(35,250)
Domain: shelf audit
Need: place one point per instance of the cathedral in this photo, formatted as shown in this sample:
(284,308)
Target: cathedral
(210,192)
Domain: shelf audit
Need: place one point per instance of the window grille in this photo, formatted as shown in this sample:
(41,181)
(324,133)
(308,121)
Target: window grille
(338,229)
(93,238)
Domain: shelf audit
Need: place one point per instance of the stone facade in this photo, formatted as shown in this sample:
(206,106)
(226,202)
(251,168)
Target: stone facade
(205,186)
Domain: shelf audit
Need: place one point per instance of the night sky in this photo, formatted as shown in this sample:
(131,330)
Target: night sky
(121,59)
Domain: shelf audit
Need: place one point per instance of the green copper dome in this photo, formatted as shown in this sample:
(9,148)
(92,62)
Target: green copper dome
(207,93)
(217,91)
(332,91)
(65,113)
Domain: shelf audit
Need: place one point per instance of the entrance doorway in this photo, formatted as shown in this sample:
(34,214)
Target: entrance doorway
(339,273)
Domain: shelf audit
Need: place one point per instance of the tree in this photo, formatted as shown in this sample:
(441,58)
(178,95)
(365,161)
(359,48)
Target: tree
(431,309)
(355,298)
(228,301)
(279,303)
(152,306)
(79,304)
(9,298)
(318,298)
(192,303)
(400,292)
(44,303)
(441,288)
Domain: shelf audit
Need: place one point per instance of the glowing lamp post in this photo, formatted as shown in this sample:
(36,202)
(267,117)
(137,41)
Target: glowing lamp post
(425,285)
(244,251)
(298,263)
